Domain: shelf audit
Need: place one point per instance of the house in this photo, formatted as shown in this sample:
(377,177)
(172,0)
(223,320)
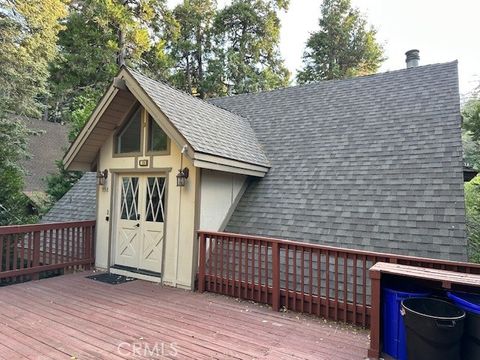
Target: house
(371,163)
(46,144)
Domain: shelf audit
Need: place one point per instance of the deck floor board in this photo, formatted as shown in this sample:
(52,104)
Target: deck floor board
(72,317)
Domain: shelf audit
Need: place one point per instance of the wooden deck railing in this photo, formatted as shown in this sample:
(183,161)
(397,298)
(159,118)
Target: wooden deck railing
(26,251)
(327,281)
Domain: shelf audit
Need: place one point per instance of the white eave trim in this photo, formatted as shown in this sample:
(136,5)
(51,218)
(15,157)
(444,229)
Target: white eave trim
(96,115)
(212,162)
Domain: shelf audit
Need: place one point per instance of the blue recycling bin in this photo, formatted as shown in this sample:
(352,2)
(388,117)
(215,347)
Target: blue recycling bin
(470,303)
(393,328)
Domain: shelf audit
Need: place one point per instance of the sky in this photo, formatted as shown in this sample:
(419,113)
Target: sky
(443,30)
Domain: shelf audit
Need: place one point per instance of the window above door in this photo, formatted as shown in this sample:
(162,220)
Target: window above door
(129,138)
(133,139)
(158,142)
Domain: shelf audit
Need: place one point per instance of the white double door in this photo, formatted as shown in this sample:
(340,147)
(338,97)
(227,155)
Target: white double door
(140,222)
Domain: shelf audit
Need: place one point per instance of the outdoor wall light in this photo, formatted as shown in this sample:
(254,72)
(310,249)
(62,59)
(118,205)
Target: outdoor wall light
(182,176)
(102,177)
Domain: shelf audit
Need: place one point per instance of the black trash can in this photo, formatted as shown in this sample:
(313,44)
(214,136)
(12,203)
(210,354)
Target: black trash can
(434,329)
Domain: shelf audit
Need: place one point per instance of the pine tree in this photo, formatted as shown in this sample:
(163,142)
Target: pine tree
(345,46)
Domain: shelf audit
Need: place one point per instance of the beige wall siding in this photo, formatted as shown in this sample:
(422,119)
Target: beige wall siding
(218,193)
(180,211)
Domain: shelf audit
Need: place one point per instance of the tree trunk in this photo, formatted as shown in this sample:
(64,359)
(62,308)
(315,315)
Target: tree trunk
(122,47)
(188,74)
(199,55)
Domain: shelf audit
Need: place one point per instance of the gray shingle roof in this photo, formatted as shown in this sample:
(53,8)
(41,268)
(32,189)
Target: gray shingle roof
(207,128)
(78,204)
(373,163)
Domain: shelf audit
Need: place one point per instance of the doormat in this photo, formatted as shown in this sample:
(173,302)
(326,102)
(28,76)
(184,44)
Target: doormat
(112,279)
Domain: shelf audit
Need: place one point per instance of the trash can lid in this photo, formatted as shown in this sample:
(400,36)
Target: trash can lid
(406,290)
(433,308)
(467,301)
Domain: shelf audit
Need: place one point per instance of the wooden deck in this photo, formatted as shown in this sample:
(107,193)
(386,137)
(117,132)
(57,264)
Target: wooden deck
(72,317)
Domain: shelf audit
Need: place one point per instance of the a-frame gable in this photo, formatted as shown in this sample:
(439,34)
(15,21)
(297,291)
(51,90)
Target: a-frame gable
(190,123)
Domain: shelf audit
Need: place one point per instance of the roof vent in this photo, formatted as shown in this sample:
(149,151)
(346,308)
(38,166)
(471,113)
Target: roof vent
(413,58)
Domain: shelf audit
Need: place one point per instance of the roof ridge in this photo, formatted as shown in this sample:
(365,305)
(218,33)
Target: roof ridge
(317,83)
(183,92)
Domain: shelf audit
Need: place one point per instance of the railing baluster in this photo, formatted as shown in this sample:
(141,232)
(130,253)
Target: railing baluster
(7,252)
(364,291)
(259,296)
(336,286)
(354,314)
(15,251)
(234,287)
(201,263)
(287,275)
(319,281)
(252,294)
(247,267)
(327,284)
(240,268)
(275,276)
(302,282)
(222,262)
(50,250)
(295,281)
(43,247)
(266,271)
(216,250)
(310,279)
(2,245)
(56,246)
(345,287)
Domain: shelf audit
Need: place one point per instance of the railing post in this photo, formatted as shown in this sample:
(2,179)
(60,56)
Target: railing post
(36,253)
(374,351)
(87,250)
(201,263)
(275,276)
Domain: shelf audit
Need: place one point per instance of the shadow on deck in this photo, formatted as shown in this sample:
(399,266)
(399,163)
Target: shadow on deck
(72,317)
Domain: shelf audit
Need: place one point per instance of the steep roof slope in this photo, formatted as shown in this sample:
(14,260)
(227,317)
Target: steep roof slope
(207,128)
(78,204)
(45,147)
(373,162)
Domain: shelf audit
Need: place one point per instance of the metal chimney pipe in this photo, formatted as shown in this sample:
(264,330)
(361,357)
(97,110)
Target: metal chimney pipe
(413,58)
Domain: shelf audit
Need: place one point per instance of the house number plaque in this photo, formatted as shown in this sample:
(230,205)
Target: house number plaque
(143,162)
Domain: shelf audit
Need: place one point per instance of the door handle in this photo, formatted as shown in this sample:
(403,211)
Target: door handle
(138,225)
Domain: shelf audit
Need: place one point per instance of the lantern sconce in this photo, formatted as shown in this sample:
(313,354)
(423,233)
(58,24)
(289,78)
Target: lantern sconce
(183,172)
(102,177)
(182,177)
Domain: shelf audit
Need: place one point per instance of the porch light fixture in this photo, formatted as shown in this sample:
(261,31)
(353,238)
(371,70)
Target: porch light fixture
(102,177)
(182,176)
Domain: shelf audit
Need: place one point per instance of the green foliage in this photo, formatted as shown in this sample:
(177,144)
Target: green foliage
(99,36)
(58,184)
(81,109)
(13,149)
(472,204)
(28,33)
(343,47)
(471,149)
(246,43)
(190,46)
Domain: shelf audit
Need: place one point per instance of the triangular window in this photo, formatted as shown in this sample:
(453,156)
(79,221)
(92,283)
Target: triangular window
(157,139)
(129,138)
